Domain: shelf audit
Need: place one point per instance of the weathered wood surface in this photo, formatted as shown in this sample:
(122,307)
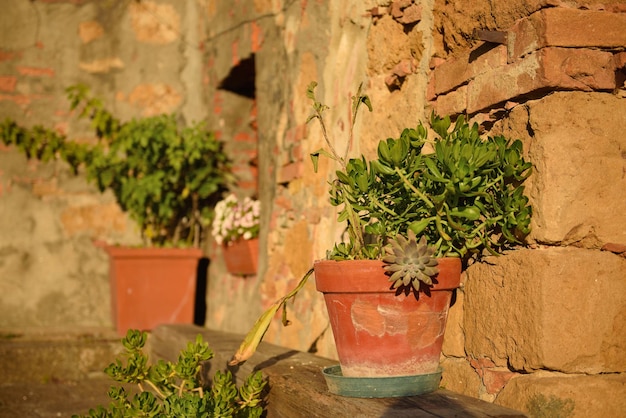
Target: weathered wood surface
(297,387)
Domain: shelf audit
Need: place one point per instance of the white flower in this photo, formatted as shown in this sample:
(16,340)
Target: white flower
(235,219)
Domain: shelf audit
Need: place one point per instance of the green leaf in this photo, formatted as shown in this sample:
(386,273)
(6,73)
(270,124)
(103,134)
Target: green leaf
(440,125)
(310,90)
(419,226)
(343,177)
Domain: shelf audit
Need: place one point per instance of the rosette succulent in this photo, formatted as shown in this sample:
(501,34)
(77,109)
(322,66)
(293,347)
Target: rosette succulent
(410,262)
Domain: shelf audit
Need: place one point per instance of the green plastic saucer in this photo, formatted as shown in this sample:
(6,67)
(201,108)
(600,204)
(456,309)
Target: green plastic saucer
(380,387)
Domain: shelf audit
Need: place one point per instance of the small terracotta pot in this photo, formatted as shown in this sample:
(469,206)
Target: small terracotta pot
(152,286)
(378,333)
(241,256)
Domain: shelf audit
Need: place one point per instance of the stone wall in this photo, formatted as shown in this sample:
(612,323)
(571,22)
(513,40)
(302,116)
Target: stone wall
(142,59)
(541,329)
(544,327)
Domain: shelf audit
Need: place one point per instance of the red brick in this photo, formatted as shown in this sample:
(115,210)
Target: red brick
(452,103)
(289,172)
(8,83)
(256,37)
(284,203)
(458,71)
(614,248)
(218,103)
(548,68)
(481,363)
(250,154)
(620,60)
(36,71)
(243,137)
(411,14)
(295,153)
(9,56)
(235,53)
(495,379)
(20,99)
(248,185)
(78,2)
(554,27)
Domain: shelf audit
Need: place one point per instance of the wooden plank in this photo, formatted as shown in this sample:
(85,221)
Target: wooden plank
(297,387)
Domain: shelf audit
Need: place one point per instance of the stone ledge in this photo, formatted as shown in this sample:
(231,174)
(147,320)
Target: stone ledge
(297,387)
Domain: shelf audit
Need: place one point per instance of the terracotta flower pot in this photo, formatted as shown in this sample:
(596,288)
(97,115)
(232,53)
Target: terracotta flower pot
(242,256)
(152,286)
(378,333)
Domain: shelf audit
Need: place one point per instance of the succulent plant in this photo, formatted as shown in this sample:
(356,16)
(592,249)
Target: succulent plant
(410,262)
(466,197)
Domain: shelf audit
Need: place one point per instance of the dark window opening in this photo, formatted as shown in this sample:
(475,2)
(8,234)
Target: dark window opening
(240,79)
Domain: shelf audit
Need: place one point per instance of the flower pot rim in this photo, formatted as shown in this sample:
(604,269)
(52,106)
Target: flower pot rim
(368,276)
(241,239)
(122,251)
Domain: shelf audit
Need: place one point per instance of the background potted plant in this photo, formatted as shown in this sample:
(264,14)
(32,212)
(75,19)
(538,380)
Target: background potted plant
(414,219)
(167,177)
(236,229)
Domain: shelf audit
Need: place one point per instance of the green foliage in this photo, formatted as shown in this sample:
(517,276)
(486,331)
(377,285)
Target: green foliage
(541,407)
(167,177)
(175,389)
(465,197)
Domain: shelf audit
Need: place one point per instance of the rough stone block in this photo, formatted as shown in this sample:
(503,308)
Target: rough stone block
(454,337)
(559,395)
(155,23)
(577,191)
(155,98)
(560,309)
(89,31)
(100,66)
(458,376)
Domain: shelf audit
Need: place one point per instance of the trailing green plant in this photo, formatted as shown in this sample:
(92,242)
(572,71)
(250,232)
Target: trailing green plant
(176,390)
(408,207)
(168,177)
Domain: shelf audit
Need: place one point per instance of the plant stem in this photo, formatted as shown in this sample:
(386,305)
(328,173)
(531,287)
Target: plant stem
(156,389)
(413,189)
(327,139)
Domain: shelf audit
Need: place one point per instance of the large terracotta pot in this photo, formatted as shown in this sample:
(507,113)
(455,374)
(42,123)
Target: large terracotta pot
(241,256)
(378,333)
(152,286)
